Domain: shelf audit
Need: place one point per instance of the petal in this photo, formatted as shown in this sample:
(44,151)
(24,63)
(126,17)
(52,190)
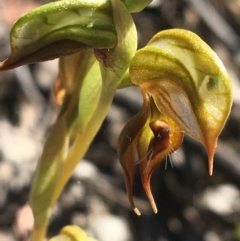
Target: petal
(127,146)
(164,137)
(196,91)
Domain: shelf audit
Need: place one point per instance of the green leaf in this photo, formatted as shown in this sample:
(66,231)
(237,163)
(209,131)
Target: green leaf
(46,177)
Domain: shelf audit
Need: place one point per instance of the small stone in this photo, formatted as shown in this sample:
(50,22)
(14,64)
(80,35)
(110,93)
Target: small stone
(6,236)
(24,222)
(85,170)
(109,227)
(222,200)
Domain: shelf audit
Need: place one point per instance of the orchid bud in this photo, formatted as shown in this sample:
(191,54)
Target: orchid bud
(61,28)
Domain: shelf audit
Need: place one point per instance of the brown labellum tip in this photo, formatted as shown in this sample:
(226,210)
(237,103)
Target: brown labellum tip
(137,211)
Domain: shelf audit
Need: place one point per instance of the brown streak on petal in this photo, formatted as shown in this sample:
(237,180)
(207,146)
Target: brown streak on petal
(49,52)
(211,151)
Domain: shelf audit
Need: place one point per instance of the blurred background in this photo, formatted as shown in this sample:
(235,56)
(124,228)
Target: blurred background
(192,205)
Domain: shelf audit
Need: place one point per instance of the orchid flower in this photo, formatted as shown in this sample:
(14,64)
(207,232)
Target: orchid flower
(185,88)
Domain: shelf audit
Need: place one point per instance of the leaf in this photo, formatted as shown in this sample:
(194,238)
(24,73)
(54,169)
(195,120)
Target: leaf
(47,176)
(188,83)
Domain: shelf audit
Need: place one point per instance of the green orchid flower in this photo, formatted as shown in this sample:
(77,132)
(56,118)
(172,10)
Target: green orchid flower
(185,88)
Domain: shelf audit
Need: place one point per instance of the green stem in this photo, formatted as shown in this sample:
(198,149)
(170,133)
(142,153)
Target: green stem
(84,139)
